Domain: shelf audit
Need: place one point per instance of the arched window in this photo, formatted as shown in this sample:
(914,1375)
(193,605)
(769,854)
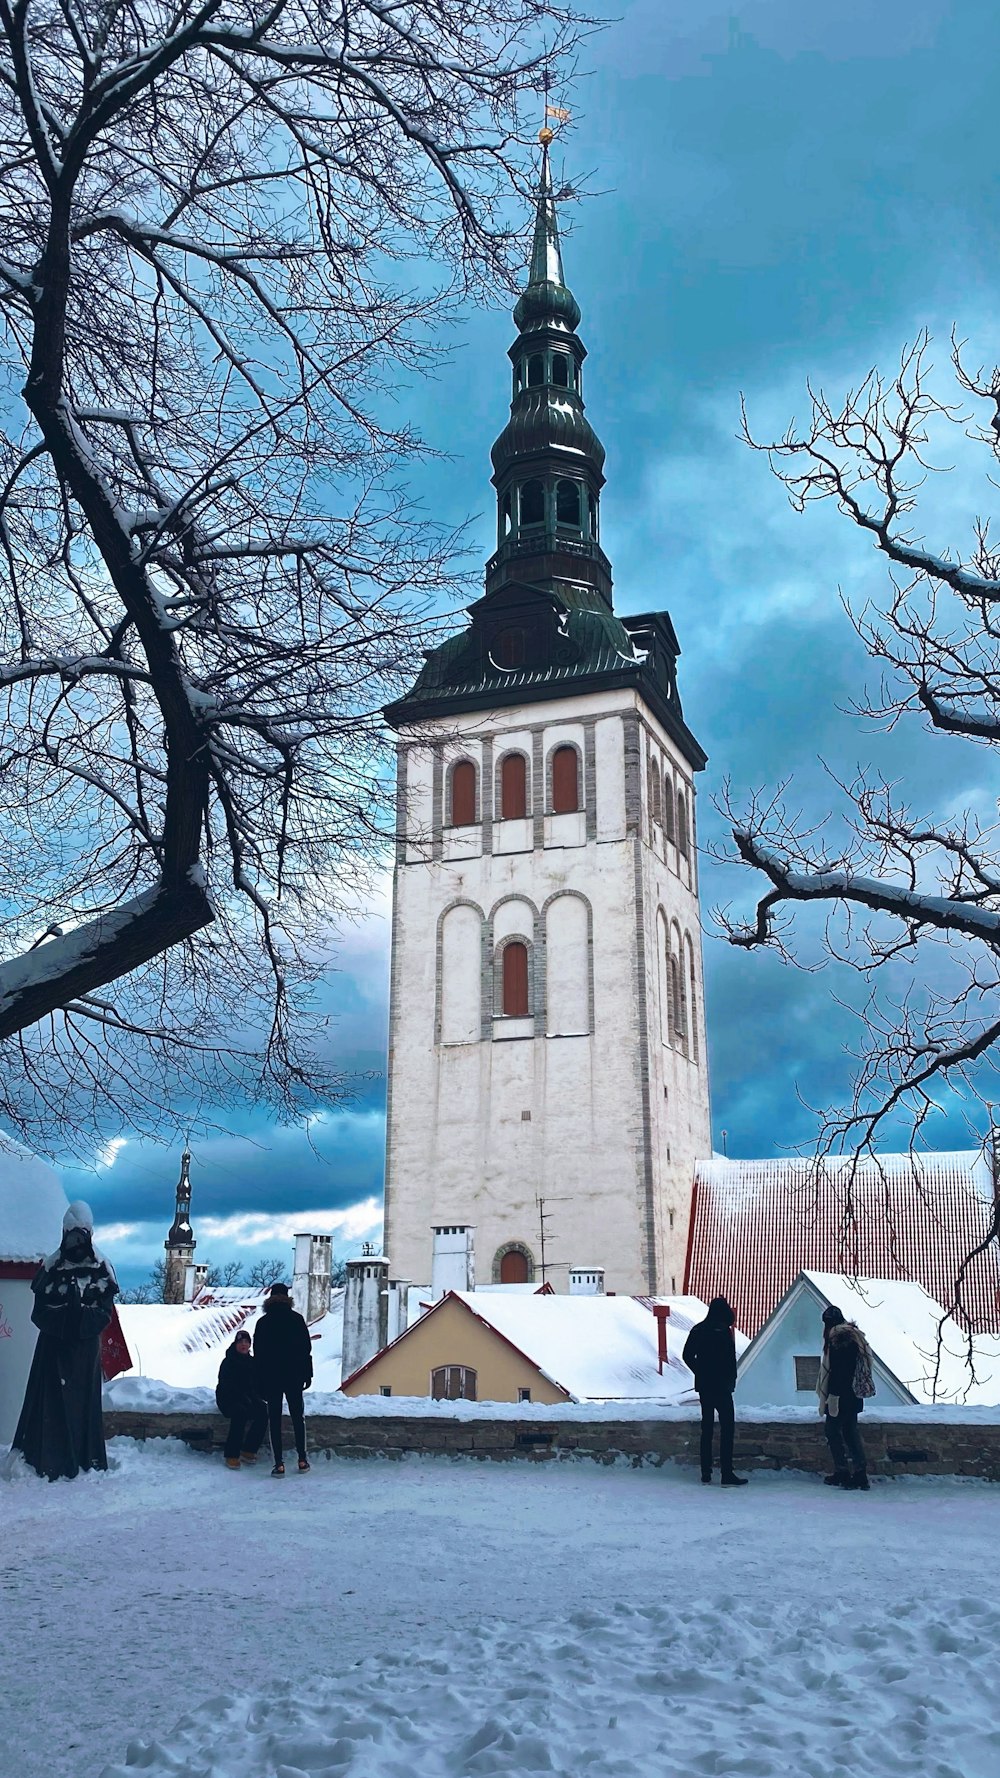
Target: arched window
(463,794)
(536,370)
(565,781)
(513,787)
(519,375)
(508,648)
(568,503)
(682,823)
(453,1382)
(676,1000)
(533,503)
(560,370)
(515,980)
(692,1002)
(504,526)
(460,984)
(668,807)
(654,790)
(514,1267)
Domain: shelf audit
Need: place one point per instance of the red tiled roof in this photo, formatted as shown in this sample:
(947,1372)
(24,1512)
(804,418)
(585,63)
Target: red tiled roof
(756,1224)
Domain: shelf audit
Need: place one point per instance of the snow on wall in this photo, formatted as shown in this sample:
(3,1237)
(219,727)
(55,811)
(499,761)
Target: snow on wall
(32,1204)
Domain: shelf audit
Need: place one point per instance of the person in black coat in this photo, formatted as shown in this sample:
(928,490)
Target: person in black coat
(61,1429)
(283,1351)
(710,1352)
(843,1346)
(239,1397)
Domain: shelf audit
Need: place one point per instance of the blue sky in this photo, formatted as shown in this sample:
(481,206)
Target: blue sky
(778,192)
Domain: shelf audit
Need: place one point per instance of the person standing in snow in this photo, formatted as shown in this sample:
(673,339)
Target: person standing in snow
(844,1369)
(61,1429)
(710,1352)
(238,1396)
(283,1350)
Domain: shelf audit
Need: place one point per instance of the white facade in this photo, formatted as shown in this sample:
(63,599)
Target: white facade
(573,1129)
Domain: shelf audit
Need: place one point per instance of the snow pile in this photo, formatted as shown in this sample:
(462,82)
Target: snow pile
(32,1204)
(924,1349)
(720,1686)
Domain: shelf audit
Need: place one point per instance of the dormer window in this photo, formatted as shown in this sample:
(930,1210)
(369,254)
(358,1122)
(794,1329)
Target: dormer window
(533,503)
(508,648)
(560,370)
(568,503)
(536,370)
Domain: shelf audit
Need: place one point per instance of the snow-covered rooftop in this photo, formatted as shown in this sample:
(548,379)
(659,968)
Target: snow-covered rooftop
(923,1348)
(32,1204)
(183,1345)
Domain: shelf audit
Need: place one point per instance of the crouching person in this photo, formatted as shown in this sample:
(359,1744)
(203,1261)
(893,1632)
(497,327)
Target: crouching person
(239,1397)
(845,1379)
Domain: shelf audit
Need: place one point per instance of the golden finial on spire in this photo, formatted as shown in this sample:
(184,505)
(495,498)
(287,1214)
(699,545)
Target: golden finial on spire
(545,136)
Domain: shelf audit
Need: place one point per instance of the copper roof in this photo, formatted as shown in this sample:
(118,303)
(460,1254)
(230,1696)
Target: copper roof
(756,1224)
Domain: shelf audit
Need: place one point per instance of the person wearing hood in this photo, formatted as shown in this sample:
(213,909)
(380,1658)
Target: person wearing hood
(238,1396)
(61,1429)
(844,1369)
(283,1351)
(710,1352)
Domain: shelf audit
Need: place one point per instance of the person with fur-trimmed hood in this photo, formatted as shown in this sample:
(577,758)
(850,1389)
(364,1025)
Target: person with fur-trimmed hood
(282,1347)
(846,1358)
(61,1429)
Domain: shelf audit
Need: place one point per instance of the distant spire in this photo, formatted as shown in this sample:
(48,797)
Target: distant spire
(546,256)
(181,1233)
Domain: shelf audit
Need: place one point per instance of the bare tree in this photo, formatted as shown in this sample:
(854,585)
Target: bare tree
(266,1271)
(225,1273)
(229,229)
(152,1289)
(896,879)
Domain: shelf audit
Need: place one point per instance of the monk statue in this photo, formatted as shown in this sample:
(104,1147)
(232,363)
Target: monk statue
(61,1430)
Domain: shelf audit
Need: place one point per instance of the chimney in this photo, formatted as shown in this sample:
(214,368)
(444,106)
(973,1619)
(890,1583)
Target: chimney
(586,1280)
(366,1303)
(662,1313)
(399,1301)
(311,1273)
(194,1280)
(453,1266)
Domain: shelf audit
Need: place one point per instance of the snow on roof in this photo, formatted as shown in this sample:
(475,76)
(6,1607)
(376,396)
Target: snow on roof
(597,1348)
(183,1345)
(756,1224)
(32,1204)
(902,1323)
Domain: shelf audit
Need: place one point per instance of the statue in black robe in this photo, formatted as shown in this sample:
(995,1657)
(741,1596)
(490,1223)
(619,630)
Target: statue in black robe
(61,1429)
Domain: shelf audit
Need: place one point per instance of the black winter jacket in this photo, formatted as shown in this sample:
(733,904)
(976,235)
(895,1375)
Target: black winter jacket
(710,1352)
(238,1390)
(282,1346)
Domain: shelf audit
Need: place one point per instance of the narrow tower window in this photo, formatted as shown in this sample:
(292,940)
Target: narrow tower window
(594,528)
(515,980)
(682,823)
(568,503)
(565,781)
(533,503)
(536,370)
(654,791)
(504,517)
(463,794)
(513,787)
(560,370)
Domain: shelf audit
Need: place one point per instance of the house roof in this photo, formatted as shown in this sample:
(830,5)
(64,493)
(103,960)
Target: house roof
(922,1348)
(183,1344)
(32,1205)
(756,1224)
(595,1348)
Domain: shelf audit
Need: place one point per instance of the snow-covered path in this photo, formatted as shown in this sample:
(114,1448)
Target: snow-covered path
(510,1618)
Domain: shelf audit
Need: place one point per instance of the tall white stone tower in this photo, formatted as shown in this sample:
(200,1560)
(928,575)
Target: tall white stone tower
(548,1082)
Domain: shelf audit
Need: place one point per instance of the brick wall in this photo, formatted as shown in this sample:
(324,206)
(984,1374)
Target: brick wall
(927,1448)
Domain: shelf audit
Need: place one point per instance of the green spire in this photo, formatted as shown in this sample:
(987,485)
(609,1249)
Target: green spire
(546,298)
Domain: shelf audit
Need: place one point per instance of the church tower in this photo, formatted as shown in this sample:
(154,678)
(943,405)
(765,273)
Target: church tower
(180,1242)
(548,1082)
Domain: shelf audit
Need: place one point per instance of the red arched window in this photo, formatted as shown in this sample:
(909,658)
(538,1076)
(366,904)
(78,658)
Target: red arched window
(513,787)
(514,1267)
(565,781)
(463,794)
(515,980)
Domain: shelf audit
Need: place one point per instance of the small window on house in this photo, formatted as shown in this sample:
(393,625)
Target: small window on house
(513,787)
(806,1373)
(536,370)
(533,503)
(524,1395)
(453,1382)
(565,781)
(385,1389)
(514,974)
(463,794)
(560,370)
(682,823)
(508,648)
(568,503)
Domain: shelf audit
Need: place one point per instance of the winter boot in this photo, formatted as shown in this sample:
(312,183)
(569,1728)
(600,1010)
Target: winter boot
(735,1481)
(279,1469)
(859,1482)
(841,1478)
(232,1463)
(303,1464)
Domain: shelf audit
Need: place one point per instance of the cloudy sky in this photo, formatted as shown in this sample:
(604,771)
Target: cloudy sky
(779,191)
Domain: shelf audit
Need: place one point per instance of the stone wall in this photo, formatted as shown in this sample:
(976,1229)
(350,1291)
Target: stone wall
(964,1448)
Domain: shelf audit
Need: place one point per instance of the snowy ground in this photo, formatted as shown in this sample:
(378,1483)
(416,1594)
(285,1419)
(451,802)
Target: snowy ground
(430,1619)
